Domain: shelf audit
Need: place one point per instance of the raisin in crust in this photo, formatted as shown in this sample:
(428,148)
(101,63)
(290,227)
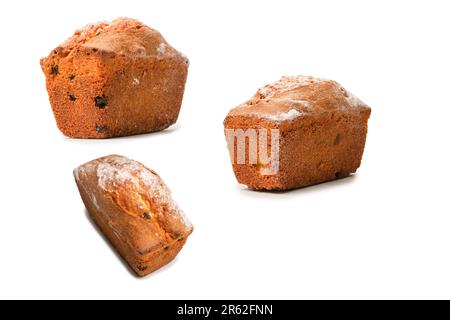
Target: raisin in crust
(115,79)
(134,209)
(322,131)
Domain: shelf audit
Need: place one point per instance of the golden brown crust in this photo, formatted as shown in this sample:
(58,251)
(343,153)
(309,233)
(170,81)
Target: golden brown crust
(134,209)
(294,98)
(322,130)
(115,79)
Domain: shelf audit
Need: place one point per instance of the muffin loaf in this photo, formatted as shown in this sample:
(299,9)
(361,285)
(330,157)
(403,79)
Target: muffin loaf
(115,79)
(133,208)
(296,132)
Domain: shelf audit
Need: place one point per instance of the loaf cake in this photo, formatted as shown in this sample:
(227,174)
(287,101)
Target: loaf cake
(115,79)
(296,132)
(134,209)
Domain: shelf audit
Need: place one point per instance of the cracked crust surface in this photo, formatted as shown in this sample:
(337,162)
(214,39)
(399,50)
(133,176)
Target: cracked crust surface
(134,209)
(294,97)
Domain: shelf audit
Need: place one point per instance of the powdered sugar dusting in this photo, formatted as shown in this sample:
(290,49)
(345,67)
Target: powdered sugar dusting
(184,219)
(93,30)
(161,50)
(285,84)
(108,174)
(166,51)
(292,97)
(353,100)
(186,60)
(81,171)
(120,170)
(283,116)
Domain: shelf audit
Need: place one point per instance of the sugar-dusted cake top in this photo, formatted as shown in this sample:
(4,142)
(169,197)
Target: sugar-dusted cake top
(292,97)
(139,193)
(123,36)
(153,192)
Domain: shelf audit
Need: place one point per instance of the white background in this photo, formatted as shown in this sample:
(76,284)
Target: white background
(384,233)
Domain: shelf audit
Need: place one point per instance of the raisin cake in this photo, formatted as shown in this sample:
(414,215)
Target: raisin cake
(296,132)
(115,79)
(134,209)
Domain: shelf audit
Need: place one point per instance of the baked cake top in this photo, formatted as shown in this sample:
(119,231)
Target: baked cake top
(123,36)
(292,97)
(141,194)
